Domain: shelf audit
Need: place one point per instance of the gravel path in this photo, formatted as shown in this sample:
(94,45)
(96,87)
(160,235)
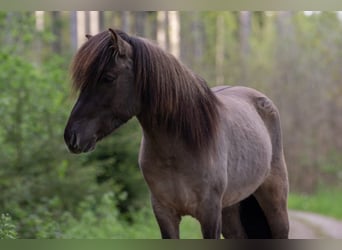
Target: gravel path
(305,225)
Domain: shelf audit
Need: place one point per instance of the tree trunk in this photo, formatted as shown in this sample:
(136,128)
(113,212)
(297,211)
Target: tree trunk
(140,19)
(152,31)
(73,29)
(87,22)
(244,35)
(39,17)
(174,33)
(220,49)
(57,31)
(8,39)
(161,29)
(94,22)
(245,31)
(39,20)
(125,21)
(81,28)
(198,40)
(102,20)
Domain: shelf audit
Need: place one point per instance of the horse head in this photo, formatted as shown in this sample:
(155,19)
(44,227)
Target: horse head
(102,73)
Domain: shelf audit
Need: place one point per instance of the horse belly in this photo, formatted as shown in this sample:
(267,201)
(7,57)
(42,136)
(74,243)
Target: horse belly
(241,185)
(249,157)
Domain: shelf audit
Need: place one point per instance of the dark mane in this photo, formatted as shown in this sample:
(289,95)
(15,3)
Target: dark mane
(175,98)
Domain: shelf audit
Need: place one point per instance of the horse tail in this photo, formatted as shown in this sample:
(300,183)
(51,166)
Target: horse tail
(270,115)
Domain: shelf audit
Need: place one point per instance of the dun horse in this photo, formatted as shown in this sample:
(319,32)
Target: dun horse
(204,152)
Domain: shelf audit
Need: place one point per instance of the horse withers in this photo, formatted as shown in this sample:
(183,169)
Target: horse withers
(204,152)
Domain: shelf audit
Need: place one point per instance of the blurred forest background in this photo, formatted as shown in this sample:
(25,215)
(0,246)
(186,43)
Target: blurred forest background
(46,192)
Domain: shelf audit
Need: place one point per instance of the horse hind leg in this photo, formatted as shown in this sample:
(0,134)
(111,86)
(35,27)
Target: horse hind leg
(244,220)
(253,219)
(272,198)
(232,227)
(272,194)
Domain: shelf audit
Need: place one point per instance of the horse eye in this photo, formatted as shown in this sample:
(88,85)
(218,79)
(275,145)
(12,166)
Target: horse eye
(109,78)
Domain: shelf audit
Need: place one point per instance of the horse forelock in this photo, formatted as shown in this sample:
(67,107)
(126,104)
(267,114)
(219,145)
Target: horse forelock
(90,61)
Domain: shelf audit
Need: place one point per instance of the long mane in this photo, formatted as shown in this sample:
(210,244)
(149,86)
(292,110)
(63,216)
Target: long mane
(173,97)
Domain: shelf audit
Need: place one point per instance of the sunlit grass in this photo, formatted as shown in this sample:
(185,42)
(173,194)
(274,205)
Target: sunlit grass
(326,202)
(190,228)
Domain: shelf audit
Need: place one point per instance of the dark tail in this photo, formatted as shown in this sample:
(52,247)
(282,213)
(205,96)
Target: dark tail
(253,219)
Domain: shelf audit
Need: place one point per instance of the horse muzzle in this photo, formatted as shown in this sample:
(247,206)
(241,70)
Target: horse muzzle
(76,144)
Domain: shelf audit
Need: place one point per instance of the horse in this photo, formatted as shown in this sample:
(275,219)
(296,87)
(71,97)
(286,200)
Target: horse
(204,152)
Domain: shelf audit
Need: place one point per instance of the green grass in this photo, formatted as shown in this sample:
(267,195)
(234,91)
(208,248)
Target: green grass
(109,225)
(149,229)
(326,202)
(190,228)
(98,219)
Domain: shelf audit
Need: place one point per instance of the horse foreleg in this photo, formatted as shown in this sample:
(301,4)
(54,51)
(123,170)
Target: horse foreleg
(232,227)
(167,218)
(210,220)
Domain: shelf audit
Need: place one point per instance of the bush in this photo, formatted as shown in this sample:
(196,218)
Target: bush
(7,227)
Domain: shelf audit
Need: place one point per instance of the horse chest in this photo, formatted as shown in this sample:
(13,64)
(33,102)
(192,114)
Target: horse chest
(174,183)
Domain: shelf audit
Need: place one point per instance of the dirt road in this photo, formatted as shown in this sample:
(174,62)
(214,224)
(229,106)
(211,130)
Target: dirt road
(305,225)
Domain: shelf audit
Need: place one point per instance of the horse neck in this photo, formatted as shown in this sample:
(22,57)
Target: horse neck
(167,144)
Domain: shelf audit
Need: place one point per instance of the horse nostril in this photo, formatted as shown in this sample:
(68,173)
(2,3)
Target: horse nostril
(73,139)
(70,137)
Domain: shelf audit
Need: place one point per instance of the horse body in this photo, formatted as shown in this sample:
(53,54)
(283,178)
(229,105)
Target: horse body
(186,183)
(203,151)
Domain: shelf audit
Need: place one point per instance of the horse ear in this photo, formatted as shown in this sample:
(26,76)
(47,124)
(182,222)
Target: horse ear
(88,36)
(118,43)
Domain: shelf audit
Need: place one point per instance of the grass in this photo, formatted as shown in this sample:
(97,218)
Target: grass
(325,201)
(100,220)
(190,228)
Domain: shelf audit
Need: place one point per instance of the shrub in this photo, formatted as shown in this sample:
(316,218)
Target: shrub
(7,227)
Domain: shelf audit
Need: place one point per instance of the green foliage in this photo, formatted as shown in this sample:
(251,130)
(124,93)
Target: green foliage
(327,201)
(97,218)
(116,159)
(34,162)
(40,181)
(101,219)
(7,228)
